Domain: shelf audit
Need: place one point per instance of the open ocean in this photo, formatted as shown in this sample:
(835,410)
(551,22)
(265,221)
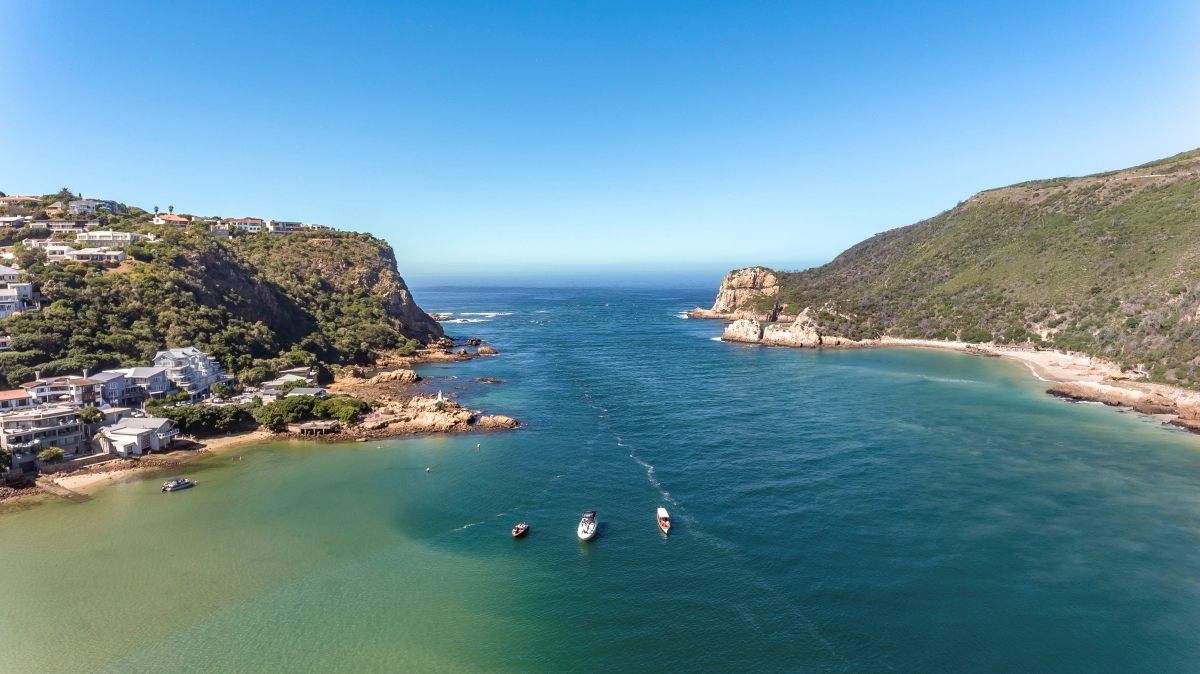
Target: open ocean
(834,511)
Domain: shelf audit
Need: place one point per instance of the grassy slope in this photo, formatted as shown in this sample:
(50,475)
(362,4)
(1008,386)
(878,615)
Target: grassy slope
(1107,264)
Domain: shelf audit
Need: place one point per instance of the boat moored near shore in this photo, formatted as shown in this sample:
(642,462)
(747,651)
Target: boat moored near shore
(177,483)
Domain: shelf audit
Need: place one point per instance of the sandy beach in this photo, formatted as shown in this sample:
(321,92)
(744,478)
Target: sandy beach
(1047,365)
(86,480)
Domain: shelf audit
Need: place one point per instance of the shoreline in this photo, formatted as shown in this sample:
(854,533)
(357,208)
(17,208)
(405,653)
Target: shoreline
(1073,377)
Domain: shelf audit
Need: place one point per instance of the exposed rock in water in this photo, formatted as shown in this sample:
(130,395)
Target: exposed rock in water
(486,351)
(743,330)
(739,287)
(801,332)
(489,380)
(473,341)
(398,376)
(1141,401)
(496,421)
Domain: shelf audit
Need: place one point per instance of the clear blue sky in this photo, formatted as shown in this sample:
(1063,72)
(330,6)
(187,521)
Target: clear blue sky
(502,137)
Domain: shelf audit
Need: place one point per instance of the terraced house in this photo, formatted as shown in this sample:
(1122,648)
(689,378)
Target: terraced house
(27,432)
(191,370)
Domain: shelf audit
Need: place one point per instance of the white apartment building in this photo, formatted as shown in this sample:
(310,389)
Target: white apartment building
(110,239)
(29,431)
(190,370)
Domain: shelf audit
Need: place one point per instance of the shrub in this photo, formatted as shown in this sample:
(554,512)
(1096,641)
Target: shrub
(975,335)
(50,455)
(91,415)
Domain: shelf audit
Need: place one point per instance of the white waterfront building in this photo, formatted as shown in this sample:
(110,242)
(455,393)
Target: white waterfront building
(191,370)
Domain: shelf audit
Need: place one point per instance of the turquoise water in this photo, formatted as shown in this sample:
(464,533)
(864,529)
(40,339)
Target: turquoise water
(873,510)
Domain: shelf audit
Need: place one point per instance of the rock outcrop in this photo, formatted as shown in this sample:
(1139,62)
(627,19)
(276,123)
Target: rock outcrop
(737,289)
(743,330)
(486,351)
(801,332)
(496,421)
(398,376)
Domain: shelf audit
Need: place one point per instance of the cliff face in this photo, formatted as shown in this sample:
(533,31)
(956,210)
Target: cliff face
(745,293)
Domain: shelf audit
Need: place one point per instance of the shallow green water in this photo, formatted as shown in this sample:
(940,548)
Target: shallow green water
(834,511)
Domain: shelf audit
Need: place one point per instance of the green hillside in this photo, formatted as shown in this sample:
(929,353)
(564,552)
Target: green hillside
(258,303)
(1107,265)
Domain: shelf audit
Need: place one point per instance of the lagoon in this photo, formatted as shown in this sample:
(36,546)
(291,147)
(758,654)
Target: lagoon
(864,510)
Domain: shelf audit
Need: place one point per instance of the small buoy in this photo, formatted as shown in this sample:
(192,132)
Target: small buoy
(426,470)
(478,446)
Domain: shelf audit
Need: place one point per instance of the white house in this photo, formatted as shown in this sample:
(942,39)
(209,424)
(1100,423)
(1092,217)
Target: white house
(135,437)
(66,389)
(191,370)
(89,206)
(109,238)
(15,298)
(63,226)
(170,219)
(15,399)
(96,255)
(17,221)
(8,274)
(252,225)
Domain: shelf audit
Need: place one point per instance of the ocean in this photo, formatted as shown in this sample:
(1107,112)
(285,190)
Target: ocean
(834,511)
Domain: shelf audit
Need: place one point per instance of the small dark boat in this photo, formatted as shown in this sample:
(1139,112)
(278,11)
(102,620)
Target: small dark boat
(520,530)
(177,483)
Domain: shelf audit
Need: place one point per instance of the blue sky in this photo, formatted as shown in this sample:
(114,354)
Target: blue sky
(494,138)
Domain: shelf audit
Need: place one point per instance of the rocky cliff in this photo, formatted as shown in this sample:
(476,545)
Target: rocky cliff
(745,293)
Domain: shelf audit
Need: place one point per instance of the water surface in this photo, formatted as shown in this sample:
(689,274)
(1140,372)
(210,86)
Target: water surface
(868,510)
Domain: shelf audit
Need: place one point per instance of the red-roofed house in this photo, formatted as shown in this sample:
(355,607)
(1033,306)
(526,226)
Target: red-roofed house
(169,219)
(12,400)
(18,200)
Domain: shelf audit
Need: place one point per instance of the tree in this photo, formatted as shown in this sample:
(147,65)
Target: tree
(28,257)
(156,210)
(221,390)
(91,415)
(170,209)
(50,455)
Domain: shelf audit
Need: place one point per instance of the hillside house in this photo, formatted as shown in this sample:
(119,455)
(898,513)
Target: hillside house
(252,225)
(280,227)
(191,370)
(66,390)
(17,200)
(89,206)
(15,399)
(170,219)
(142,383)
(17,221)
(8,274)
(110,239)
(63,226)
(95,255)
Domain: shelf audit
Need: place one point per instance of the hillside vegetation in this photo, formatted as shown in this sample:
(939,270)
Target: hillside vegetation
(1107,265)
(257,303)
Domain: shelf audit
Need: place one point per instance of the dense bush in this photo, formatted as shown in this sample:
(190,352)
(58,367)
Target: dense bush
(50,455)
(277,415)
(202,419)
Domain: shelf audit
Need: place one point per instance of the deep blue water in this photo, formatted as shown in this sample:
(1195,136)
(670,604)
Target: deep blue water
(858,510)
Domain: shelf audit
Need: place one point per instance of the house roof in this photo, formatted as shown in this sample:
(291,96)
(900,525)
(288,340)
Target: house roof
(107,375)
(16,198)
(283,380)
(8,270)
(140,372)
(256,220)
(172,218)
(298,391)
(15,394)
(136,424)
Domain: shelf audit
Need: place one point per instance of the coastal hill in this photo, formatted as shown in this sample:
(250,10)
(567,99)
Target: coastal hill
(1107,265)
(257,303)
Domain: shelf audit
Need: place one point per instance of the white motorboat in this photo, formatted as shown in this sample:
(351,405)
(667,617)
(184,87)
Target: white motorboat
(664,520)
(177,483)
(587,526)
